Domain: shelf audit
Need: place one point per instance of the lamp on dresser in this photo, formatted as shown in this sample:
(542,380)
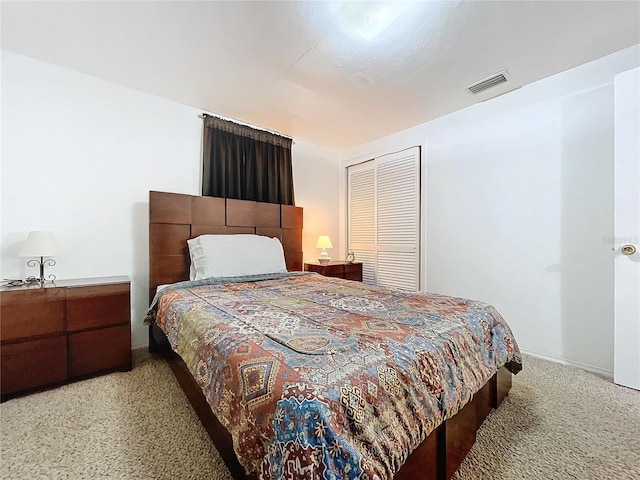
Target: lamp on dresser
(41,244)
(324,242)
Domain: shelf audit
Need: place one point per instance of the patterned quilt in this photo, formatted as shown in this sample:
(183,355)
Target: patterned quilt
(324,378)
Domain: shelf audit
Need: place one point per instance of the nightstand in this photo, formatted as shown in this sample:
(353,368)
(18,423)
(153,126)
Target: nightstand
(346,270)
(60,332)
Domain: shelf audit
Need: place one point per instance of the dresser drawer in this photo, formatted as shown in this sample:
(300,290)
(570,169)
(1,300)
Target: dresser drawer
(333,271)
(97,306)
(33,363)
(348,271)
(353,271)
(31,312)
(56,332)
(100,350)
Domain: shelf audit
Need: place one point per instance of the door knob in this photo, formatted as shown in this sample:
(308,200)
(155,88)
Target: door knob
(628,249)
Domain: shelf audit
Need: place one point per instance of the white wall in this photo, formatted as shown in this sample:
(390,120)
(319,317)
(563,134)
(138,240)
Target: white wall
(316,172)
(519,208)
(79,156)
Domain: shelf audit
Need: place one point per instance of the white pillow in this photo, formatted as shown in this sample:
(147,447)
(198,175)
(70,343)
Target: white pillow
(235,255)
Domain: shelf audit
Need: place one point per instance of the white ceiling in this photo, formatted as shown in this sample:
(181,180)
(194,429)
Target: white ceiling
(290,67)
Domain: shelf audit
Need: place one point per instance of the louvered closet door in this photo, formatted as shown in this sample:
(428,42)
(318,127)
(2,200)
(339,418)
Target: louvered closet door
(361,222)
(384,219)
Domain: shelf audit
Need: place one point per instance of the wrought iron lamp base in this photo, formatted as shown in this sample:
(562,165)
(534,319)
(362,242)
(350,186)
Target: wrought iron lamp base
(41,263)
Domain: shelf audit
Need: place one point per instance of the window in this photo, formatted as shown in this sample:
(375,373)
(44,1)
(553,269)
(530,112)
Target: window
(246,163)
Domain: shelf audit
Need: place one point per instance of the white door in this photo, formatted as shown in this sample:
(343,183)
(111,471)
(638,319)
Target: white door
(626,369)
(383,223)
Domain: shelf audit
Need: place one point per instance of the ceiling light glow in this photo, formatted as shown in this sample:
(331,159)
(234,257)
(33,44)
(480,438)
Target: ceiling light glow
(369,19)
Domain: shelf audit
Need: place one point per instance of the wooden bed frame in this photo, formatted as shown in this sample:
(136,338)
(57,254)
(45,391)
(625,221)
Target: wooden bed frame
(174,218)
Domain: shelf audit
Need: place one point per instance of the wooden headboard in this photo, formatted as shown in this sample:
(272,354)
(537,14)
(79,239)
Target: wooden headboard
(174,218)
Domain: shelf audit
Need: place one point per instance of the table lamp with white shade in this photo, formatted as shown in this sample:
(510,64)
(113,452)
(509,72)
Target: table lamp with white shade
(40,244)
(324,242)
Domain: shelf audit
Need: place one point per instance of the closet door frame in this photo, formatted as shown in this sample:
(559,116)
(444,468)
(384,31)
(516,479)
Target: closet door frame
(376,239)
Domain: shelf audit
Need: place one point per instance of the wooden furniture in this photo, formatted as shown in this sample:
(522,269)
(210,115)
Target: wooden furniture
(439,455)
(174,218)
(63,331)
(346,270)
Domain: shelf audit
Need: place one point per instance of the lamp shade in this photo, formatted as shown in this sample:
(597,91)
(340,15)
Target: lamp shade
(40,244)
(324,242)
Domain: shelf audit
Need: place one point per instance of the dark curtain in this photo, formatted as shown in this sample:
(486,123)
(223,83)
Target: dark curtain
(246,163)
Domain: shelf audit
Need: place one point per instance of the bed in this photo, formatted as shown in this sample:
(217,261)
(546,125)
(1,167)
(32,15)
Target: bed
(297,366)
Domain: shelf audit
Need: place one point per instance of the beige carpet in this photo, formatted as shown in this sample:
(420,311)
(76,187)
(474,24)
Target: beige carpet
(557,423)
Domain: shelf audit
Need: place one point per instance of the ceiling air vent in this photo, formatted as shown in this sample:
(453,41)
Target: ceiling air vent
(489,82)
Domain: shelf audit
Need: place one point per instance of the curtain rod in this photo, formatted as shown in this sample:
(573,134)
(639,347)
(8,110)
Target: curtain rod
(273,132)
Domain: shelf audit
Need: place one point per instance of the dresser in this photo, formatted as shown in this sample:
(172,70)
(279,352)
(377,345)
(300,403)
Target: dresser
(61,332)
(346,270)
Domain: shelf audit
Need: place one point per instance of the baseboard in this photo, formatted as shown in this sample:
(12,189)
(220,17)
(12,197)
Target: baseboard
(608,374)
